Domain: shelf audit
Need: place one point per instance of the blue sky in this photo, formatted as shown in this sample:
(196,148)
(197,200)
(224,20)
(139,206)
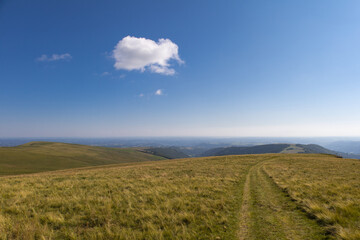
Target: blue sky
(245,68)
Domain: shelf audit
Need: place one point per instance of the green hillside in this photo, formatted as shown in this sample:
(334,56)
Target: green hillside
(267,196)
(167,152)
(258,149)
(46,156)
(269,148)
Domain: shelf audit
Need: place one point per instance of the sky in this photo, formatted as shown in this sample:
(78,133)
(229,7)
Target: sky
(179,68)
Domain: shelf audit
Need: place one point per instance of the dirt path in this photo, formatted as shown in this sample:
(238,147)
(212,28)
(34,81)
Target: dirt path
(245,213)
(268,213)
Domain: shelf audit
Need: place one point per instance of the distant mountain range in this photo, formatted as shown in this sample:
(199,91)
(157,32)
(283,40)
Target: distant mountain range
(195,146)
(166,152)
(172,148)
(178,152)
(259,149)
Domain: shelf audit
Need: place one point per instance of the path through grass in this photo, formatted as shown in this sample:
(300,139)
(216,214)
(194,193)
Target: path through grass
(229,197)
(328,188)
(184,199)
(268,213)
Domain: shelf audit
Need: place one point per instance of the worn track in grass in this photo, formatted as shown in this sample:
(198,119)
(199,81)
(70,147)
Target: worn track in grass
(229,197)
(268,213)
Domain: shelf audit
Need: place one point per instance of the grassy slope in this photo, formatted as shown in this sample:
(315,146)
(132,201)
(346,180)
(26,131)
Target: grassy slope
(228,197)
(293,148)
(270,214)
(46,156)
(270,148)
(166,152)
(177,199)
(328,189)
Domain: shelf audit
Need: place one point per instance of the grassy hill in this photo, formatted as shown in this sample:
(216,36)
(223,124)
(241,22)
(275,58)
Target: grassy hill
(258,149)
(167,152)
(183,152)
(267,196)
(46,156)
(269,148)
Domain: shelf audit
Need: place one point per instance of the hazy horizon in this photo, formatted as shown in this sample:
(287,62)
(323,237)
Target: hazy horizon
(181,137)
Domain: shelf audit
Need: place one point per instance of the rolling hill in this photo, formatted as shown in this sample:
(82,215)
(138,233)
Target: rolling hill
(259,149)
(270,148)
(183,152)
(267,196)
(46,156)
(167,152)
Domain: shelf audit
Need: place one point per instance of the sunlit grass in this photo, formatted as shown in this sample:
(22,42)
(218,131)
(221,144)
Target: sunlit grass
(198,198)
(47,156)
(186,199)
(326,186)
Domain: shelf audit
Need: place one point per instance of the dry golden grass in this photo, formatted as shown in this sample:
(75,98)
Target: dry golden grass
(48,156)
(268,213)
(325,186)
(200,198)
(185,199)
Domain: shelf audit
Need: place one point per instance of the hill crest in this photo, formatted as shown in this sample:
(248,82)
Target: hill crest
(47,156)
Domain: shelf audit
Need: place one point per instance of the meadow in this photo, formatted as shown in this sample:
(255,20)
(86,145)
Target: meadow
(267,196)
(186,199)
(47,156)
(328,189)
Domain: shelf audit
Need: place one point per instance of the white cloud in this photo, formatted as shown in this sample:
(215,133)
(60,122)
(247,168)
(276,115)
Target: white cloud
(159,92)
(162,70)
(141,95)
(54,57)
(132,53)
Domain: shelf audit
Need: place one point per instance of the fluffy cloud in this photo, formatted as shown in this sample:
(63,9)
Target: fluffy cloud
(159,92)
(54,57)
(142,54)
